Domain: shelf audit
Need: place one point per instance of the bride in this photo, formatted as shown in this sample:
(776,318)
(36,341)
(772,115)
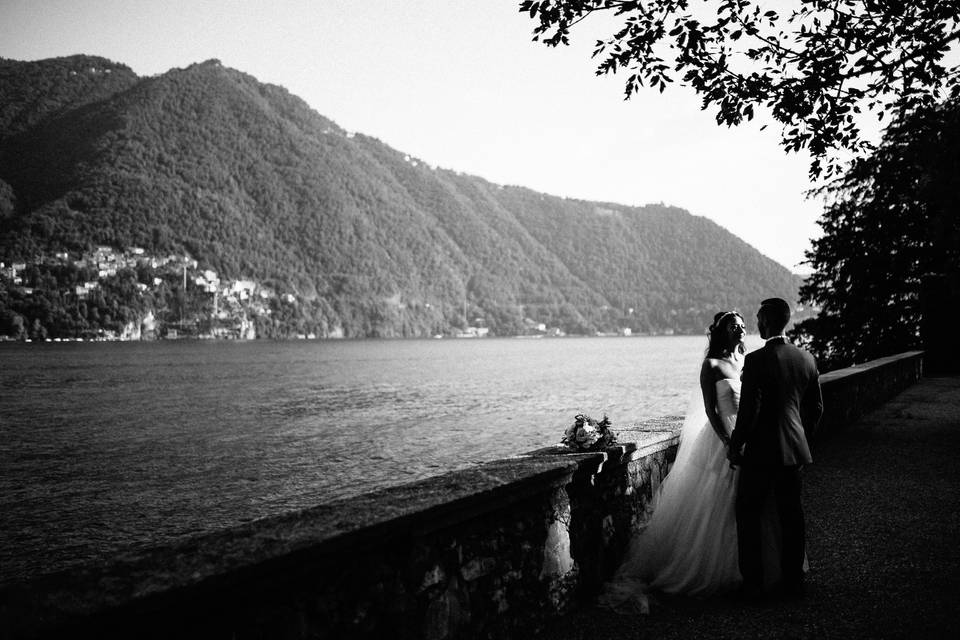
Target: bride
(689,545)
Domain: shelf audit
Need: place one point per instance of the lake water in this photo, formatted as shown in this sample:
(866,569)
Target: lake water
(109,445)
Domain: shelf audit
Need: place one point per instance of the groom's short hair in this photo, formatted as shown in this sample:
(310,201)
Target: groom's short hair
(777,312)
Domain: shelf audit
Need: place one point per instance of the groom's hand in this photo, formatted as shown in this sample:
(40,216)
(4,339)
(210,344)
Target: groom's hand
(733,455)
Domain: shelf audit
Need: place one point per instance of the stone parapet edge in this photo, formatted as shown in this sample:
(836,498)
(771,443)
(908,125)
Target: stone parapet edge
(832,377)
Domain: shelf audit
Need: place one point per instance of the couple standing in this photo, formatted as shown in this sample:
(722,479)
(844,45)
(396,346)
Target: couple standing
(728,514)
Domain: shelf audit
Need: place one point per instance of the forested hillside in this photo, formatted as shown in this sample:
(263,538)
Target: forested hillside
(343,234)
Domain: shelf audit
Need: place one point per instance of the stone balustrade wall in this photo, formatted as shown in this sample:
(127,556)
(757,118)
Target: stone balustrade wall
(486,552)
(849,393)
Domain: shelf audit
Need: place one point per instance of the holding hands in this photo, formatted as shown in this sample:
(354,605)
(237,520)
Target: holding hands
(734,456)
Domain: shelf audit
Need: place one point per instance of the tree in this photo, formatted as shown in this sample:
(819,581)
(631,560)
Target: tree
(888,263)
(38,331)
(814,68)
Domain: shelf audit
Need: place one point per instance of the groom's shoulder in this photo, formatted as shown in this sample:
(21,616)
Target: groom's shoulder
(799,349)
(804,354)
(754,357)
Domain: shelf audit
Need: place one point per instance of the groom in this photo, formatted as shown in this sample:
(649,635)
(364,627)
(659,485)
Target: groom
(780,403)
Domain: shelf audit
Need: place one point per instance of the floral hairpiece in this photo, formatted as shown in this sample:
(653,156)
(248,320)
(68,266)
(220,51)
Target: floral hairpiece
(721,318)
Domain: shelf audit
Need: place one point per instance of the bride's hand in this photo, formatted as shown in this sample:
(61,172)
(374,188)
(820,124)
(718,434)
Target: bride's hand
(734,457)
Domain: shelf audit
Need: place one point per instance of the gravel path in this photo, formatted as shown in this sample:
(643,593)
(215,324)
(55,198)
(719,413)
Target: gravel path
(882,503)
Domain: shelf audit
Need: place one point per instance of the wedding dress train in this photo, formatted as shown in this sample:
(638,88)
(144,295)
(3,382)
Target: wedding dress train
(689,545)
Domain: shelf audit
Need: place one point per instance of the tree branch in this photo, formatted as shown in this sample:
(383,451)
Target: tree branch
(907,58)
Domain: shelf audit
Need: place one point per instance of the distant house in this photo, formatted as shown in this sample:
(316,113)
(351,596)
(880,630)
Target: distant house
(179,261)
(243,288)
(208,285)
(83,290)
(473,332)
(12,270)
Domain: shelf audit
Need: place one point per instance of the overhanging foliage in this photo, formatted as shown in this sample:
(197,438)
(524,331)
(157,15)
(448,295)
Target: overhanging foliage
(814,65)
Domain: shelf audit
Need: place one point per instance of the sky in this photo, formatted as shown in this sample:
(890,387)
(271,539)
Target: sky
(460,85)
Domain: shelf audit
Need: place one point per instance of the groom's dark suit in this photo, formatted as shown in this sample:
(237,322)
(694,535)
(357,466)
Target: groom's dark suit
(780,404)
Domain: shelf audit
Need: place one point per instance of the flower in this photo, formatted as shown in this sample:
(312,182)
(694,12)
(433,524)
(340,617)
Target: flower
(586,434)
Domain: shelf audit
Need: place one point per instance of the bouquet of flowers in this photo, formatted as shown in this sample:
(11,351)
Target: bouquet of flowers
(587,434)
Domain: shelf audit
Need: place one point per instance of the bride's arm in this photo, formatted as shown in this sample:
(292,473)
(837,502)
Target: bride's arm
(708,388)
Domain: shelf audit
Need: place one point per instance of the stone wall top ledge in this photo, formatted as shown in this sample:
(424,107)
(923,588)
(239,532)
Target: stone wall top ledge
(858,369)
(270,544)
(634,441)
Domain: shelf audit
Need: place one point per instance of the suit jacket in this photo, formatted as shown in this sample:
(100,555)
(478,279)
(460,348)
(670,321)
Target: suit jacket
(780,405)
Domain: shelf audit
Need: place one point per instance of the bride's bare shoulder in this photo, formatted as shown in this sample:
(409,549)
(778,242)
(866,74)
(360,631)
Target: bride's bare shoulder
(719,369)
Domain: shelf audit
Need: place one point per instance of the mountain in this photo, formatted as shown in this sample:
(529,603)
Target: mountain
(345,235)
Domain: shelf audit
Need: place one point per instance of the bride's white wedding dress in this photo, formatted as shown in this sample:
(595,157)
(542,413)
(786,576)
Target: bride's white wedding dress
(689,545)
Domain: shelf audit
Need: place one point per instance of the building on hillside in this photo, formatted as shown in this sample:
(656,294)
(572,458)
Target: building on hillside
(83,290)
(208,281)
(12,271)
(243,288)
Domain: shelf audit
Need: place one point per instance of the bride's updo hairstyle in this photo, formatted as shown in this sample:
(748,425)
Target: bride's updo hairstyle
(718,344)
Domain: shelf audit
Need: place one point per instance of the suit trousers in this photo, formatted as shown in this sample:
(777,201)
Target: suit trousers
(756,484)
